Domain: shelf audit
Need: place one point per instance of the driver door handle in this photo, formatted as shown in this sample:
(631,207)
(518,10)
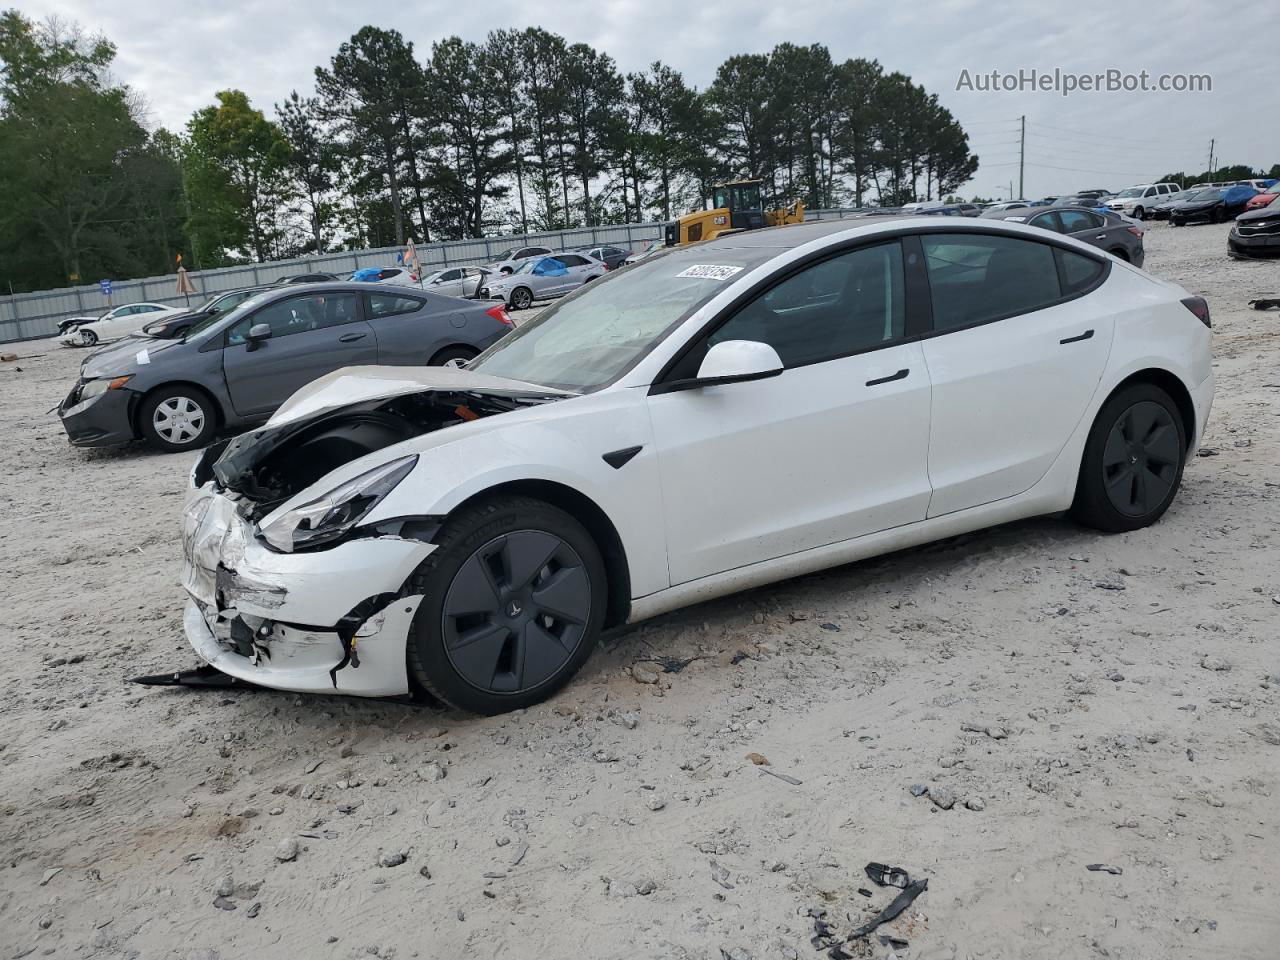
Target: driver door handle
(1084,336)
(900,375)
(351,337)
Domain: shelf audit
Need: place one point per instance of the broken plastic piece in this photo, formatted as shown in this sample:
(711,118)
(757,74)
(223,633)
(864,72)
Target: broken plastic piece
(781,776)
(1265,304)
(1104,868)
(886,876)
(899,903)
(202,676)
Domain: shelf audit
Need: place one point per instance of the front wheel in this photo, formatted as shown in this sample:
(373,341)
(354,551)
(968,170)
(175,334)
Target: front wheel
(513,603)
(1133,460)
(1138,213)
(87,337)
(174,419)
(521,298)
(455,357)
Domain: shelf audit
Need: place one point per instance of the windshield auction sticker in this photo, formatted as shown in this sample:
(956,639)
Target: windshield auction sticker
(710,271)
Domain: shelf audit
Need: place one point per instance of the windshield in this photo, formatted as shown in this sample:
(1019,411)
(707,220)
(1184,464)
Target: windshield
(206,323)
(1274,188)
(588,340)
(1131,192)
(526,267)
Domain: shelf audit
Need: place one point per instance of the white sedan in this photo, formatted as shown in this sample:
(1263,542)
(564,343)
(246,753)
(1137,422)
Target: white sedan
(121,321)
(715,418)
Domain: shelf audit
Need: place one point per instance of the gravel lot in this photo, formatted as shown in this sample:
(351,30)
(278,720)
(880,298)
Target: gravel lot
(1084,699)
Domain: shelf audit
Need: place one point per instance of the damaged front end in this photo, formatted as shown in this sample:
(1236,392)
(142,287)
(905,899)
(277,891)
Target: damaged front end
(298,592)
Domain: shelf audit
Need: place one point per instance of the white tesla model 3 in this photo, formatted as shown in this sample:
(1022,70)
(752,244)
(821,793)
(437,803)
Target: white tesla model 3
(714,418)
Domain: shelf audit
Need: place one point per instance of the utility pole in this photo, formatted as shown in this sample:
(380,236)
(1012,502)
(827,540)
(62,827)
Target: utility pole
(1211,143)
(1022,152)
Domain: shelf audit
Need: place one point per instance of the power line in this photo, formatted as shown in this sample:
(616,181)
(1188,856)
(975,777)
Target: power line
(1105,137)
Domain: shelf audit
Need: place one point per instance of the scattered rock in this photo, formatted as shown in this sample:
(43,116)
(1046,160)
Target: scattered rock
(393,858)
(655,804)
(1268,732)
(646,887)
(759,759)
(49,875)
(1214,663)
(918,789)
(621,889)
(432,772)
(226,886)
(976,804)
(253,910)
(943,797)
(644,672)
(287,849)
(223,903)
(993,731)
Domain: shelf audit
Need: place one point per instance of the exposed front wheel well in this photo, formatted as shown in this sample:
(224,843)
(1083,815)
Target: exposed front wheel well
(1175,388)
(588,513)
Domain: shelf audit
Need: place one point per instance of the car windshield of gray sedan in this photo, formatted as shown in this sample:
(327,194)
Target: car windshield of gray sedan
(589,340)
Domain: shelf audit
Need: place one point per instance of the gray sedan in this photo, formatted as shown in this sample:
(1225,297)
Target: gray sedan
(543,278)
(232,370)
(1107,231)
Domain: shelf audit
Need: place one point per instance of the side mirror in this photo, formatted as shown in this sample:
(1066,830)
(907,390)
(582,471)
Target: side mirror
(258,333)
(732,361)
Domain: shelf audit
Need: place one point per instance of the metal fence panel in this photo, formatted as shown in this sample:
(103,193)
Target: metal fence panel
(30,316)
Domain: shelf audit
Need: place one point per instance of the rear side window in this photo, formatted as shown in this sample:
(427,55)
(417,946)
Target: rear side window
(1074,221)
(977,279)
(1077,271)
(390,304)
(572,260)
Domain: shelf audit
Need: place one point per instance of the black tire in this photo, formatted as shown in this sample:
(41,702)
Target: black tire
(1138,213)
(1133,461)
(1215,215)
(453,357)
(483,622)
(521,298)
(193,414)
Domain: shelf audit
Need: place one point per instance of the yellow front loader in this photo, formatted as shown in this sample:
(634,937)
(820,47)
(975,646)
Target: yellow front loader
(737,207)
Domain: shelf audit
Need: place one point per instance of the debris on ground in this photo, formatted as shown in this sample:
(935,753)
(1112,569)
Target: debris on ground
(1104,868)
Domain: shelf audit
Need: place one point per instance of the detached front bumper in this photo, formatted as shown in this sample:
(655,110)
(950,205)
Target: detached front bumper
(321,621)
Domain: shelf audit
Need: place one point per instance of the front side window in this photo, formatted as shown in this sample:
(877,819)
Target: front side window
(850,303)
(390,304)
(976,279)
(298,315)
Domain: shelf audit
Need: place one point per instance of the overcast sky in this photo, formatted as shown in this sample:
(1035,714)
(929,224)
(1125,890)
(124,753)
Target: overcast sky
(179,56)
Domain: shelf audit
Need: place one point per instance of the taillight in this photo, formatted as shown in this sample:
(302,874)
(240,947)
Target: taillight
(499,312)
(1135,231)
(1200,307)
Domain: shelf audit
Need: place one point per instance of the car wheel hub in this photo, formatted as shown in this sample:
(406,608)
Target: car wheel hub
(1140,460)
(516,611)
(178,419)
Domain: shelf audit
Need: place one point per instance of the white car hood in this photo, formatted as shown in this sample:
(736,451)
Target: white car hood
(359,384)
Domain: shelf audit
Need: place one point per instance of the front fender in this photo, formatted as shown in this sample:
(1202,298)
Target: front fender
(563,445)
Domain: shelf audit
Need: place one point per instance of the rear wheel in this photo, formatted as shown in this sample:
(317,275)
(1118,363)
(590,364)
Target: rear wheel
(1121,254)
(514,599)
(174,419)
(1138,213)
(1133,461)
(453,357)
(521,298)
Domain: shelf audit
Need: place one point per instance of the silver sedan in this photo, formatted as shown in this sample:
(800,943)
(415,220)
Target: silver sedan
(542,278)
(455,282)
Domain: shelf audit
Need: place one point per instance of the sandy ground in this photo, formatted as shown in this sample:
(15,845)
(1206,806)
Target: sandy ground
(1102,699)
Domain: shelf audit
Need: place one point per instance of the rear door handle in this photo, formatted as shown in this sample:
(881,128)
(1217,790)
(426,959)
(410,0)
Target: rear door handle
(900,375)
(1084,336)
(353,337)
(1101,236)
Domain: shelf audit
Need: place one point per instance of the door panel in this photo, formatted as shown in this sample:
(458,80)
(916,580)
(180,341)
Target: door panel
(312,334)
(1006,397)
(762,469)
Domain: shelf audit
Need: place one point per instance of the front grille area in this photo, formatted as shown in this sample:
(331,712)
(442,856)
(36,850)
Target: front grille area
(1259,228)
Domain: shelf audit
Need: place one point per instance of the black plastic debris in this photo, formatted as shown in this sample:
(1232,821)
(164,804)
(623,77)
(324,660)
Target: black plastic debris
(864,891)
(673,664)
(886,876)
(1265,303)
(1104,868)
(896,943)
(202,676)
(899,903)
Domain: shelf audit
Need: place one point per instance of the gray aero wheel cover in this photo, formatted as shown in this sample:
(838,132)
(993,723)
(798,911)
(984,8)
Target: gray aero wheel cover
(1140,460)
(516,611)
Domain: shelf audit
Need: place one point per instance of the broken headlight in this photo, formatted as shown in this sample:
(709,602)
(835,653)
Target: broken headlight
(92,388)
(332,516)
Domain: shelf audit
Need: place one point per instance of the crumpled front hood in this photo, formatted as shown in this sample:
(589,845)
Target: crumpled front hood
(127,356)
(352,385)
